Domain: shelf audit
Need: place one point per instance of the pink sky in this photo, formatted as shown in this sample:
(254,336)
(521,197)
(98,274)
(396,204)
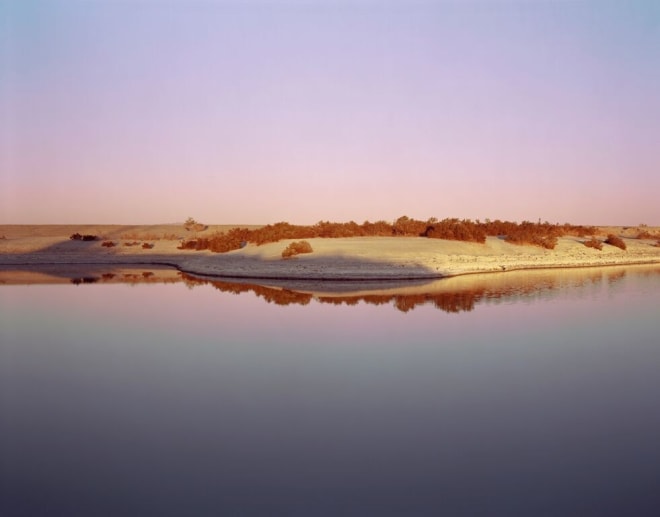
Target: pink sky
(257,112)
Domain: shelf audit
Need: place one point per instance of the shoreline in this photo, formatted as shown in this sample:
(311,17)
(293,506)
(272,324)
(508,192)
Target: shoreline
(353,259)
(331,276)
(462,292)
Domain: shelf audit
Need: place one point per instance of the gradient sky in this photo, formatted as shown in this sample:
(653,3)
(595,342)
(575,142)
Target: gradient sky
(262,111)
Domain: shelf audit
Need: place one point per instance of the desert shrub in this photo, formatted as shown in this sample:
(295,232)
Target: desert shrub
(328,229)
(657,244)
(188,245)
(190,222)
(613,240)
(406,226)
(192,225)
(147,245)
(132,243)
(453,229)
(280,231)
(78,237)
(578,231)
(377,229)
(645,234)
(234,239)
(538,234)
(544,235)
(548,242)
(296,248)
(219,242)
(108,244)
(594,243)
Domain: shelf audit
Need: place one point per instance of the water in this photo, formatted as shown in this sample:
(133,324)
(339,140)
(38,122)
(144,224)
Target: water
(515,394)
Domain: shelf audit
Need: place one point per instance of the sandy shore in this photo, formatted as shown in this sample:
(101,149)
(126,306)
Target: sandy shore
(360,258)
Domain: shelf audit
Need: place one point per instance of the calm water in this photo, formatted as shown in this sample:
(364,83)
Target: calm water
(522,394)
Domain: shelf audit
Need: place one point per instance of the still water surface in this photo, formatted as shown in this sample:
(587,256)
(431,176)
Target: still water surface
(538,394)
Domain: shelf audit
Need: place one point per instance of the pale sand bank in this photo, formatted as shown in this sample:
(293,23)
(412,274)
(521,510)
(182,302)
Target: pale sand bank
(359,258)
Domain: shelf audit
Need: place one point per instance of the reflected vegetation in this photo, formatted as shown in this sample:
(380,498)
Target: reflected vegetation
(451,295)
(116,385)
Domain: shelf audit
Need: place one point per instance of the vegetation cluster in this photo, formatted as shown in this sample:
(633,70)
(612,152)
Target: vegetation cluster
(538,234)
(78,237)
(221,242)
(193,226)
(297,248)
(613,240)
(645,234)
(450,301)
(594,243)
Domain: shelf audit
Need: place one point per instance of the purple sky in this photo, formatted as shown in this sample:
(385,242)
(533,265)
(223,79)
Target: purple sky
(261,111)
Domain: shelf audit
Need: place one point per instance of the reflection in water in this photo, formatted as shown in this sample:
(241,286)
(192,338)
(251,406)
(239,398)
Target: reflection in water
(122,397)
(452,295)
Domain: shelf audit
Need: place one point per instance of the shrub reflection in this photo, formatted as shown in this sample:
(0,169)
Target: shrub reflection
(460,296)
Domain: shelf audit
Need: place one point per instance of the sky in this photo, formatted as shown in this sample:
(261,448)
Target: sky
(257,111)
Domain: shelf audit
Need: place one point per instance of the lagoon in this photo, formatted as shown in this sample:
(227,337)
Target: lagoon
(523,393)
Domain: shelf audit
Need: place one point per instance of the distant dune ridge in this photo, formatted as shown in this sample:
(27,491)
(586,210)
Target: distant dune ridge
(341,258)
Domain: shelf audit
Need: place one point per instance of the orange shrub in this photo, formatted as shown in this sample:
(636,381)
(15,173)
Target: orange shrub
(188,245)
(613,240)
(578,231)
(594,243)
(538,234)
(193,226)
(78,237)
(544,235)
(280,231)
(296,248)
(108,244)
(219,242)
(453,229)
(404,225)
(377,229)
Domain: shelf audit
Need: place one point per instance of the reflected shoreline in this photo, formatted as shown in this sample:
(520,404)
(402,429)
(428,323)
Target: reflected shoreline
(452,295)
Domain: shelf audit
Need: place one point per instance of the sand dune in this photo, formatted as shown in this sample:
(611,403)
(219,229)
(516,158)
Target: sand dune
(359,258)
